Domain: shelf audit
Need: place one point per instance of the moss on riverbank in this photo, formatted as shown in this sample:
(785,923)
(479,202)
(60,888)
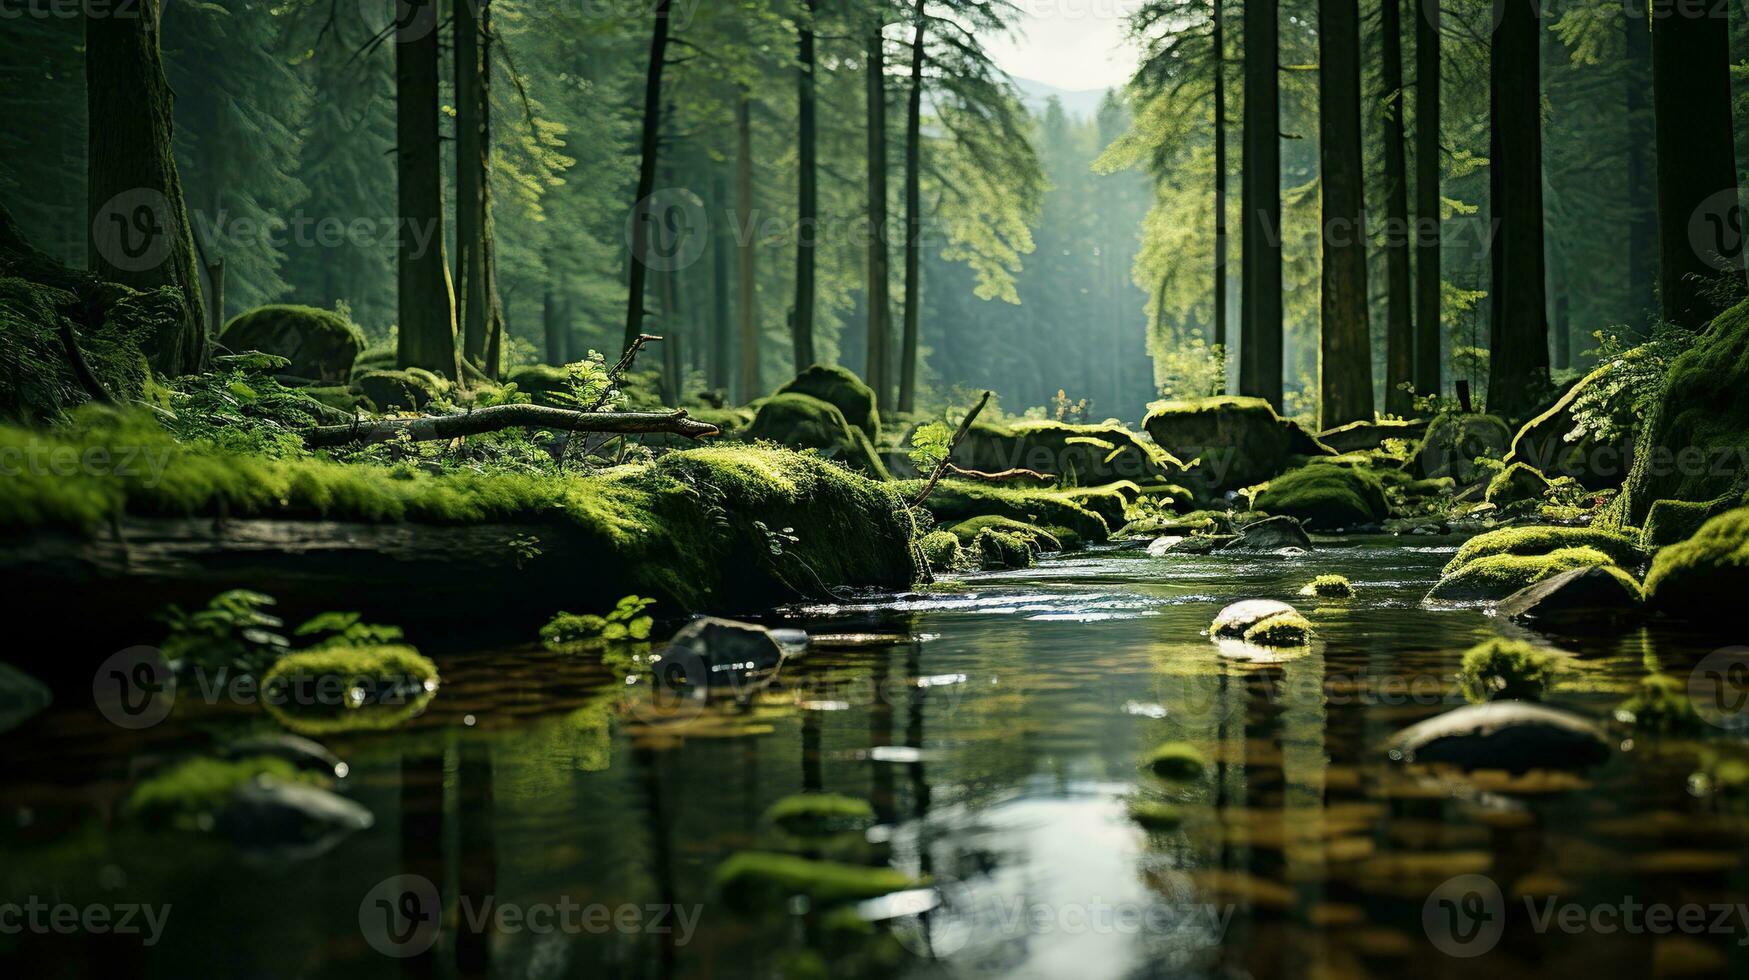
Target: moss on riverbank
(959,500)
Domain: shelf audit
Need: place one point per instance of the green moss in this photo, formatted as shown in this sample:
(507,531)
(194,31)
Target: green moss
(187,794)
(320,344)
(1325,497)
(1454,442)
(750,880)
(843,390)
(1515,484)
(1280,630)
(953,501)
(1544,441)
(539,381)
(1705,576)
(36,382)
(1235,441)
(1660,705)
(820,813)
(408,390)
(1110,502)
(1328,587)
(1671,521)
(1507,670)
(1179,761)
(1077,454)
(803,422)
(1155,815)
(998,550)
(1498,576)
(942,550)
(968,531)
(1540,540)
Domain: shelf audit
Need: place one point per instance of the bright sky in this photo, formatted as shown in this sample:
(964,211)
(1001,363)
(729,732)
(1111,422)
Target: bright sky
(1072,44)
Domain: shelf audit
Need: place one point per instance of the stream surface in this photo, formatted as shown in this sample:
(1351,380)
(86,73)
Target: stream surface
(997,735)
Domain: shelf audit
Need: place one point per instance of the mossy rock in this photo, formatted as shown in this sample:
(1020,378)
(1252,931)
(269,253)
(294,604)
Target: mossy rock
(344,399)
(189,794)
(1498,576)
(814,814)
(953,501)
(1507,670)
(1540,540)
(337,680)
(843,390)
(1110,502)
(1325,497)
(1281,630)
(804,422)
(998,550)
(942,550)
(540,381)
(1671,521)
(1328,587)
(1087,455)
(755,880)
(1695,442)
(1177,761)
(320,344)
(1155,815)
(968,531)
(375,359)
(1545,444)
(1703,578)
(1516,484)
(1365,435)
(1660,705)
(409,390)
(1229,442)
(1454,442)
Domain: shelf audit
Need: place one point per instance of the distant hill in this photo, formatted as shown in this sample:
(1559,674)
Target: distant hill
(1083,103)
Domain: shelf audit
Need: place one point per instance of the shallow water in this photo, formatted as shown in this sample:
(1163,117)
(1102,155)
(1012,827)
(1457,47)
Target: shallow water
(997,737)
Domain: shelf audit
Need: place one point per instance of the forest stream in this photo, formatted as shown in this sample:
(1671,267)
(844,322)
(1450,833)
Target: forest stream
(994,723)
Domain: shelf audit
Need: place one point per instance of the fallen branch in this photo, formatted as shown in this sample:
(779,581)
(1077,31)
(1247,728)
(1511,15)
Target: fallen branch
(498,417)
(960,433)
(81,370)
(1016,473)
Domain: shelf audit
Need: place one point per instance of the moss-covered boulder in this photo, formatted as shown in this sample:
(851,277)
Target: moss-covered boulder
(1177,761)
(1516,484)
(539,381)
(1234,442)
(804,422)
(754,880)
(1507,670)
(1325,497)
(1695,443)
(843,390)
(1703,577)
(1671,521)
(320,344)
(406,391)
(998,550)
(1540,540)
(942,550)
(1498,576)
(967,531)
(953,501)
(1233,620)
(1281,630)
(1367,434)
(1077,454)
(1328,587)
(1515,736)
(1585,600)
(1454,442)
(1111,502)
(346,689)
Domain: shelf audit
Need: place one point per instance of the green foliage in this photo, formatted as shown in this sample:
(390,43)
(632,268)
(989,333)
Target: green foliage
(930,443)
(334,630)
(1613,405)
(232,631)
(626,621)
(1191,369)
(589,386)
(942,550)
(188,794)
(1507,670)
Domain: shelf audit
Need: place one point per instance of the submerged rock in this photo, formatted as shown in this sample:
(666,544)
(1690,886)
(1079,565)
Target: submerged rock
(1178,761)
(1235,619)
(1583,600)
(304,754)
(1270,534)
(21,697)
(1510,735)
(267,813)
(1325,497)
(804,422)
(724,649)
(1234,441)
(320,344)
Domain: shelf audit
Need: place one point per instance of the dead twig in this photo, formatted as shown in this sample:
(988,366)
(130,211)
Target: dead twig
(1018,472)
(960,433)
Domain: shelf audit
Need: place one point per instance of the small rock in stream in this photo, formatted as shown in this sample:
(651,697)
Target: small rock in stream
(1585,600)
(299,751)
(1234,620)
(1512,735)
(1270,534)
(269,814)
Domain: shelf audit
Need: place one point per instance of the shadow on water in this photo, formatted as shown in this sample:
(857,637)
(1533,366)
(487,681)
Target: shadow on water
(572,830)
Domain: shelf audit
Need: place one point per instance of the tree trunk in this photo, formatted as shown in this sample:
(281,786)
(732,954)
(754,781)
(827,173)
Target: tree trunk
(470,266)
(1518,371)
(215,277)
(139,228)
(651,145)
(1699,218)
(879,271)
(913,222)
(1399,322)
(1345,338)
(1642,200)
(1427,207)
(1219,43)
(553,325)
(1563,338)
(747,287)
(1260,225)
(719,359)
(807,191)
(426,337)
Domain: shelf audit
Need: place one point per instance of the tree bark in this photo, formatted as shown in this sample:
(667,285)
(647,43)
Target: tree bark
(720,328)
(497,417)
(650,147)
(1427,203)
(494,365)
(1260,225)
(1399,318)
(138,220)
(913,222)
(553,325)
(1345,338)
(1642,168)
(1219,43)
(879,261)
(747,286)
(469,169)
(426,337)
(1518,371)
(1699,217)
(807,192)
